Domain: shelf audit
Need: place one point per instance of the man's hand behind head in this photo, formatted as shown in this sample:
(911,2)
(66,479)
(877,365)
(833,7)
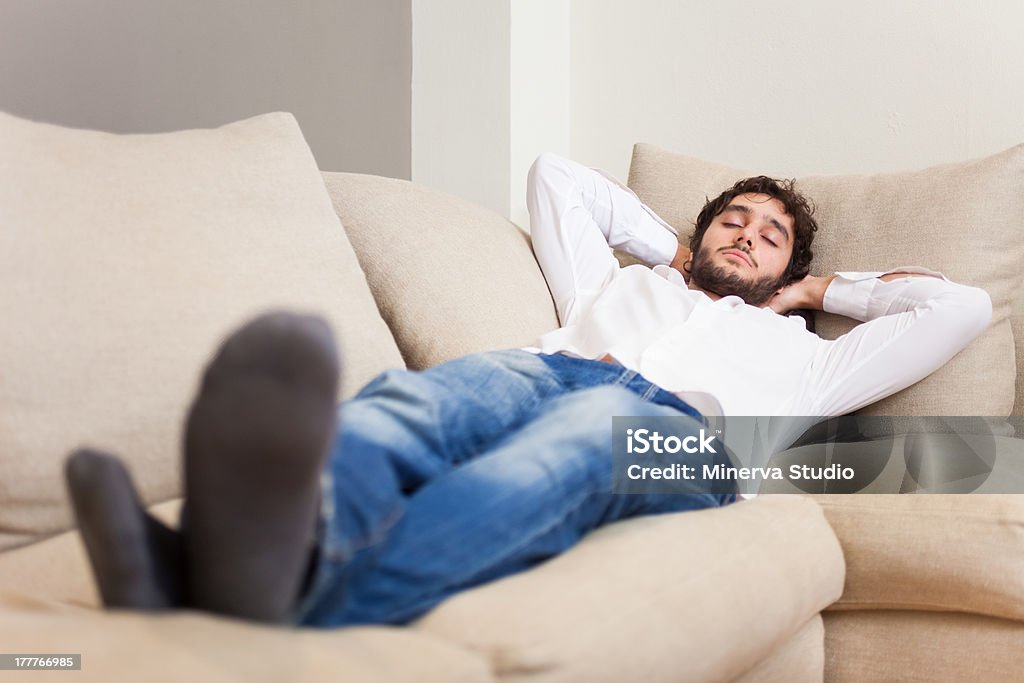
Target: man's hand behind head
(810,292)
(680,261)
(807,293)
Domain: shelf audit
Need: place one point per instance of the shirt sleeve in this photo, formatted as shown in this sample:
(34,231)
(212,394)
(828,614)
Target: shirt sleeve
(912,327)
(577,215)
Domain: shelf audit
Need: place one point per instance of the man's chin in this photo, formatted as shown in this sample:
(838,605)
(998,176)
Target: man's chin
(728,282)
(722,293)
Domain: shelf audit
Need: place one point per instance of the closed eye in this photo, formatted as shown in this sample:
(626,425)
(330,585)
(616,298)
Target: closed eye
(765,238)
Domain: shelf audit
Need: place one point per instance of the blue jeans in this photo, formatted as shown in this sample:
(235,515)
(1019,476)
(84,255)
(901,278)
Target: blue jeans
(483,466)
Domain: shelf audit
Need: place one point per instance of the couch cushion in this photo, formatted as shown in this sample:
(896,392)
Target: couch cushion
(450,277)
(190,646)
(801,659)
(962,219)
(931,552)
(1017,325)
(696,596)
(124,259)
(57,568)
(921,647)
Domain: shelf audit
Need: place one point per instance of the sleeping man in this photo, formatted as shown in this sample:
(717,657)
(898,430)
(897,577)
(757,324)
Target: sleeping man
(428,483)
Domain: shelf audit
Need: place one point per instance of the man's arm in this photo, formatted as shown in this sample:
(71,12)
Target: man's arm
(809,293)
(576,214)
(679,261)
(914,322)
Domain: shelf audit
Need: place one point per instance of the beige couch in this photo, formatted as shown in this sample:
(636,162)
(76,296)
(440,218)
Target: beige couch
(125,258)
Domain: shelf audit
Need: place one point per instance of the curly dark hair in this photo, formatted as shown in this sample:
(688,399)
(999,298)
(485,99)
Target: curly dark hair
(795,204)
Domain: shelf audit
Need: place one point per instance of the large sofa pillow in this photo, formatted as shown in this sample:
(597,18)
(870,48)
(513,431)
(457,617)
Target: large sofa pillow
(963,219)
(450,277)
(662,598)
(124,260)
(188,645)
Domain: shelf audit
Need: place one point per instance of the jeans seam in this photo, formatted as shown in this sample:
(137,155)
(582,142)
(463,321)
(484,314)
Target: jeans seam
(331,547)
(625,378)
(467,581)
(359,543)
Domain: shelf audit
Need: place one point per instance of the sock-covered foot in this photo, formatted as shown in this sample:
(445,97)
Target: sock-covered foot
(135,559)
(255,443)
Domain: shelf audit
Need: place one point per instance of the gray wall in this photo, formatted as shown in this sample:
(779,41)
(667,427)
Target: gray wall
(343,67)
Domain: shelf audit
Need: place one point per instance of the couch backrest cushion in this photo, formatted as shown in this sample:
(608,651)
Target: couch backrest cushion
(1017,325)
(963,219)
(124,259)
(450,277)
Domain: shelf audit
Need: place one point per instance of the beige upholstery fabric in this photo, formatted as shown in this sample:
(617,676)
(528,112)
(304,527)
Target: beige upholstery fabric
(962,219)
(661,598)
(921,647)
(58,569)
(190,646)
(1017,324)
(801,659)
(450,277)
(943,552)
(979,462)
(124,260)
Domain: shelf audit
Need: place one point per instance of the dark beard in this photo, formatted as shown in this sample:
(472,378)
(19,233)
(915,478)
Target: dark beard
(724,282)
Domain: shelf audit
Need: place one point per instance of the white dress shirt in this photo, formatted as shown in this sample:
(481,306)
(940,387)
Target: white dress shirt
(752,360)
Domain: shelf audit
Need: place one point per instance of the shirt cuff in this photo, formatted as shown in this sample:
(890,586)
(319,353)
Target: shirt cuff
(662,246)
(849,294)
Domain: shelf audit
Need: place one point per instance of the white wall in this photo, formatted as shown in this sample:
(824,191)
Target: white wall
(797,87)
(490,91)
(460,98)
(341,66)
(539,91)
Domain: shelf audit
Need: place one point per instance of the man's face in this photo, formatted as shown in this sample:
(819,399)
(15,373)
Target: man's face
(745,250)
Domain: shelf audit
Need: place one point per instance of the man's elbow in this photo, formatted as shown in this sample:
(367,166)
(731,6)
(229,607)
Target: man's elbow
(974,309)
(547,172)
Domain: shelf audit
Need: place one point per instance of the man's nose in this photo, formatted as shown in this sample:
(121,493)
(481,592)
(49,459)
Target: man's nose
(744,238)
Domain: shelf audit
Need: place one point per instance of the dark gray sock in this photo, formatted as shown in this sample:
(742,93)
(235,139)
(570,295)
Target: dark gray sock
(136,560)
(255,443)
